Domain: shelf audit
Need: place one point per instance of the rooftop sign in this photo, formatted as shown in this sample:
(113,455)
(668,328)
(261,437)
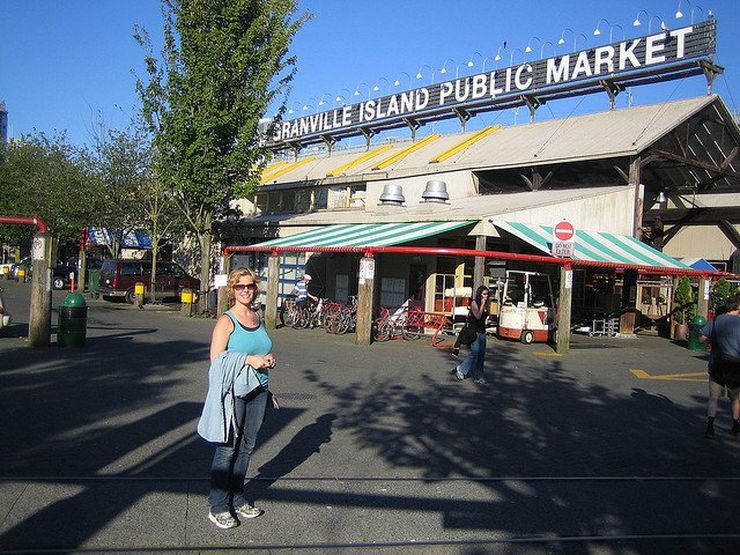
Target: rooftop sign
(485,91)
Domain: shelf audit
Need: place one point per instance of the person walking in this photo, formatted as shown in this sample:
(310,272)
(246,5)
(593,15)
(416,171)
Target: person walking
(302,295)
(241,357)
(474,362)
(724,364)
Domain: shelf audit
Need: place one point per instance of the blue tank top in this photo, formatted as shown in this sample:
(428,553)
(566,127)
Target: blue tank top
(250,341)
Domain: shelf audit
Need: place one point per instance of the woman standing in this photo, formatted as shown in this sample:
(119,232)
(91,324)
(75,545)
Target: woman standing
(476,358)
(240,330)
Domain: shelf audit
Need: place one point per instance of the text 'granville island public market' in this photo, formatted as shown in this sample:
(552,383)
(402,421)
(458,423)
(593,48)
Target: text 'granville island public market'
(660,48)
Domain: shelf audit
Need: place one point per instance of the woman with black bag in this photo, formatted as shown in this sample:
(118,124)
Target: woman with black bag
(476,322)
(724,364)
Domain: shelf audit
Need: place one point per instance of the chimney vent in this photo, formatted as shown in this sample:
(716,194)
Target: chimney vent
(392,196)
(435,191)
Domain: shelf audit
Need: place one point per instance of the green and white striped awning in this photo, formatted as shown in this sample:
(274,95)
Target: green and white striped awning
(365,235)
(595,245)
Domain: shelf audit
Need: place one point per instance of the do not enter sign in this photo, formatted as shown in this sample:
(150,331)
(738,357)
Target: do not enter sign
(563,245)
(564,231)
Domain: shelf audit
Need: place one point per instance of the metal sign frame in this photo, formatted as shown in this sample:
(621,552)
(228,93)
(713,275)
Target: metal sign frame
(662,56)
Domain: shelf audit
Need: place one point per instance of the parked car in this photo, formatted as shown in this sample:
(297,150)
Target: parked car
(5,269)
(24,264)
(5,318)
(63,272)
(118,278)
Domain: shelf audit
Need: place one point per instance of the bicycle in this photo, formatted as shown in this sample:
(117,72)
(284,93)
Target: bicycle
(289,312)
(342,321)
(402,323)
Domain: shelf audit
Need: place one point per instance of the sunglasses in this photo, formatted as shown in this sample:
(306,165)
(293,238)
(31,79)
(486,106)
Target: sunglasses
(247,286)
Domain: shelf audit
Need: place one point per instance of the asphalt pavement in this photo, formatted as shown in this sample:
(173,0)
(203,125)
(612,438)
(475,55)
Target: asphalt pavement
(376,449)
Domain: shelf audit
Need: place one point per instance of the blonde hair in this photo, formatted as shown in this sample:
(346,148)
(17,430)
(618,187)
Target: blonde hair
(235,276)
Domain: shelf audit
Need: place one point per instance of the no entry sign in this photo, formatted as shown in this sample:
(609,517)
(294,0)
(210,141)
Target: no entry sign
(564,231)
(563,235)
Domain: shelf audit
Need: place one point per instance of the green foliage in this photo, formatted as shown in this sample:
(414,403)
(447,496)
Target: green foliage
(722,294)
(685,303)
(122,164)
(49,178)
(223,64)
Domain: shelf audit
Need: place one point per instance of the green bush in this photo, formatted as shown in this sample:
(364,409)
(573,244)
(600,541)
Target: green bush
(684,308)
(722,294)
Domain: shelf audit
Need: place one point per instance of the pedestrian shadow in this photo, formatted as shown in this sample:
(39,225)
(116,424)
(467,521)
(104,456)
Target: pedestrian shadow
(302,446)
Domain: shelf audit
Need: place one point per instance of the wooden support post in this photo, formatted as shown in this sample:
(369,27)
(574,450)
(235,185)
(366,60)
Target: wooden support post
(702,300)
(365,291)
(222,298)
(479,266)
(271,300)
(671,321)
(82,270)
(565,302)
(39,322)
(635,178)
(629,303)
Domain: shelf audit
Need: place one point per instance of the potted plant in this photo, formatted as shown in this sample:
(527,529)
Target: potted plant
(722,294)
(684,308)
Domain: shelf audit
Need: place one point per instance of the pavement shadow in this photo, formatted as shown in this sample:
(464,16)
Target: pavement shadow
(584,441)
(302,446)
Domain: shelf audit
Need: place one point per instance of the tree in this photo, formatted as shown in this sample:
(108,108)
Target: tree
(224,62)
(47,177)
(121,162)
(161,218)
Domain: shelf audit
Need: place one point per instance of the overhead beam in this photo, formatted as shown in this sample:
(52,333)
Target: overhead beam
(730,232)
(699,215)
(696,163)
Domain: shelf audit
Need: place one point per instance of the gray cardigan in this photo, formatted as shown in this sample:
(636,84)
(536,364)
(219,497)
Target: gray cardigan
(227,377)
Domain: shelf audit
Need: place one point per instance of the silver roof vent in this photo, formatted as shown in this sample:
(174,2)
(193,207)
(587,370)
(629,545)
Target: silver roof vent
(392,196)
(435,191)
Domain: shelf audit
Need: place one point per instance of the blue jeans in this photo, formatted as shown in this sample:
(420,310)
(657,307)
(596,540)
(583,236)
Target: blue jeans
(231,460)
(475,359)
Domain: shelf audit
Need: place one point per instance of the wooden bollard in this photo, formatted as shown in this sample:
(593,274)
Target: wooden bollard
(139,294)
(187,299)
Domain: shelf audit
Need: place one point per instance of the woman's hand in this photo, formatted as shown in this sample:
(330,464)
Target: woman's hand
(260,362)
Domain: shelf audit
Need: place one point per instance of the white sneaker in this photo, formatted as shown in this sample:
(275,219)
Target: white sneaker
(245,511)
(223,520)
(459,375)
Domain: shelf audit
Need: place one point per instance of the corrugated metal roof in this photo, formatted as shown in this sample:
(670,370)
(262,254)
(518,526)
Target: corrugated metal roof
(620,132)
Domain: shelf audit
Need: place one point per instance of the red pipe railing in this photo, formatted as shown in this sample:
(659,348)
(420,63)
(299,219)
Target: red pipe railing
(444,251)
(38,222)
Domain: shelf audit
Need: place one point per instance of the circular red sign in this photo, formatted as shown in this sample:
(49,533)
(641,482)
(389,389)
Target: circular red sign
(564,231)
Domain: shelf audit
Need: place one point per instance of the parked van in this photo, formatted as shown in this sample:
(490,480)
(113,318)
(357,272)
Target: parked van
(118,278)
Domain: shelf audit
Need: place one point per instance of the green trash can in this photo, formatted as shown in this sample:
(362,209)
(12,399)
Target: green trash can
(72,328)
(93,282)
(697,323)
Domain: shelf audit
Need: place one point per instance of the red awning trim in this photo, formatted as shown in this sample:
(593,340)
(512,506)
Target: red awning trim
(443,251)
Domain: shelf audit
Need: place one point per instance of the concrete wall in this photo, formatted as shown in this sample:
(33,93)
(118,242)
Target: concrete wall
(459,185)
(612,213)
(700,241)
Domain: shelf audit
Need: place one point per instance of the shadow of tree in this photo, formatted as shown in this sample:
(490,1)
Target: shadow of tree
(546,446)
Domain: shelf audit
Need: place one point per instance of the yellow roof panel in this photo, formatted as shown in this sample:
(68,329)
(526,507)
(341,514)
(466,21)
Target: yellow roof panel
(406,151)
(359,160)
(464,144)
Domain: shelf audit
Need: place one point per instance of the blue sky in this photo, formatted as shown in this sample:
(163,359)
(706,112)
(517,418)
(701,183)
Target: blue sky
(63,62)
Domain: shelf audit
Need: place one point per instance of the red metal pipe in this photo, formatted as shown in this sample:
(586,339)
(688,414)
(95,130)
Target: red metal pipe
(444,251)
(26,221)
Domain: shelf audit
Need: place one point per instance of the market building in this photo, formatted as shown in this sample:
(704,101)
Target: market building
(642,186)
